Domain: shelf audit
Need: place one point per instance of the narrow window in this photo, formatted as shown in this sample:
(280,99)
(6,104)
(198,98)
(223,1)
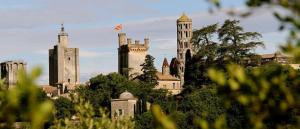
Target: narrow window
(120,112)
(186,34)
(69,58)
(69,80)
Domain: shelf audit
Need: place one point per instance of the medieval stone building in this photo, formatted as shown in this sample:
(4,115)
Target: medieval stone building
(63,63)
(9,72)
(184,44)
(131,56)
(167,81)
(124,106)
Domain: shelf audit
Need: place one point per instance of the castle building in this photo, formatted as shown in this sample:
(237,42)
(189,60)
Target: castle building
(124,106)
(184,44)
(131,56)
(167,81)
(9,72)
(63,63)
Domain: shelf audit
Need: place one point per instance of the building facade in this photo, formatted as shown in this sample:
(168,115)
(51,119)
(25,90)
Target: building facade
(166,81)
(131,55)
(9,72)
(184,44)
(124,106)
(63,62)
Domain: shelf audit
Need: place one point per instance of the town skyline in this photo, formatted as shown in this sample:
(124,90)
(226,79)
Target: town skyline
(98,43)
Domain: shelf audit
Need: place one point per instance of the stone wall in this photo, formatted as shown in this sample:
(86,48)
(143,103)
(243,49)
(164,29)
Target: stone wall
(9,72)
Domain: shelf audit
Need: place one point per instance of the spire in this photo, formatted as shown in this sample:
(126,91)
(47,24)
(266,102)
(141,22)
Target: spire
(165,67)
(165,63)
(62,27)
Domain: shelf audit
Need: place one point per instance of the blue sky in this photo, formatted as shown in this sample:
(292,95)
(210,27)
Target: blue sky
(28,28)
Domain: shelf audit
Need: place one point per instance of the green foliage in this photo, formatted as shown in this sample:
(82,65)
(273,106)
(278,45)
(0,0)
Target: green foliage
(204,103)
(233,45)
(104,87)
(144,121)
(149,71)
(162,121)
(24,102)
(86,118)
(64,108)
(268,94)
(174,67)
(236,43)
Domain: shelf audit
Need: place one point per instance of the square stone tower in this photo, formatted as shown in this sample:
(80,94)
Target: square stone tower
(9,72)
(131,56)
(63,62)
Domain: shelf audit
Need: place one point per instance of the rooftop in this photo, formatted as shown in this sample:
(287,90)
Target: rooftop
(184,18)
(167,77)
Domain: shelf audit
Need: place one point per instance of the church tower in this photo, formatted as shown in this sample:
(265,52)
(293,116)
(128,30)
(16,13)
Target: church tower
(165,67)
(184,44)
(63,63)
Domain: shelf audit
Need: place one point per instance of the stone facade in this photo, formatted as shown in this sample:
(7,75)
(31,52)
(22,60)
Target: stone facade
(9,72)
(167,81)
(63,62)
(184,44)
(131,56)
(124,106)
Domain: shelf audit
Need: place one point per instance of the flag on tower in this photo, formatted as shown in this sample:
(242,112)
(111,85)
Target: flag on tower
(118,27)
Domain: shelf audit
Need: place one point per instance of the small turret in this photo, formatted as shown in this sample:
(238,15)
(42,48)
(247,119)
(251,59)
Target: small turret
(165,67)
(122,39)
(146,42)
(63,37)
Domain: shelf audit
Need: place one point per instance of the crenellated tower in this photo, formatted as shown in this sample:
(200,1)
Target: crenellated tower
(131,55)
(184,44)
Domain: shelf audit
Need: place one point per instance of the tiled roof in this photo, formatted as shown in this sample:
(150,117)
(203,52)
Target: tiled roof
(277,54)
(49,89)
(184,18)
(168,77)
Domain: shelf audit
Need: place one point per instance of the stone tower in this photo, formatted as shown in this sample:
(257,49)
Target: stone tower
(9,72)
(165,67)
(63,62)
(131,56)
(184,44)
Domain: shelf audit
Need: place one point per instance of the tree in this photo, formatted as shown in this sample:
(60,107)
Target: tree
(174,67)
(233,46)
(149,71)
(237,42)
(102,88)
(205,56)
(64,108)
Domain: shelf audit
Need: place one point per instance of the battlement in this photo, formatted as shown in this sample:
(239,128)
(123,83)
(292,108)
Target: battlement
(14,62)
(123,41)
